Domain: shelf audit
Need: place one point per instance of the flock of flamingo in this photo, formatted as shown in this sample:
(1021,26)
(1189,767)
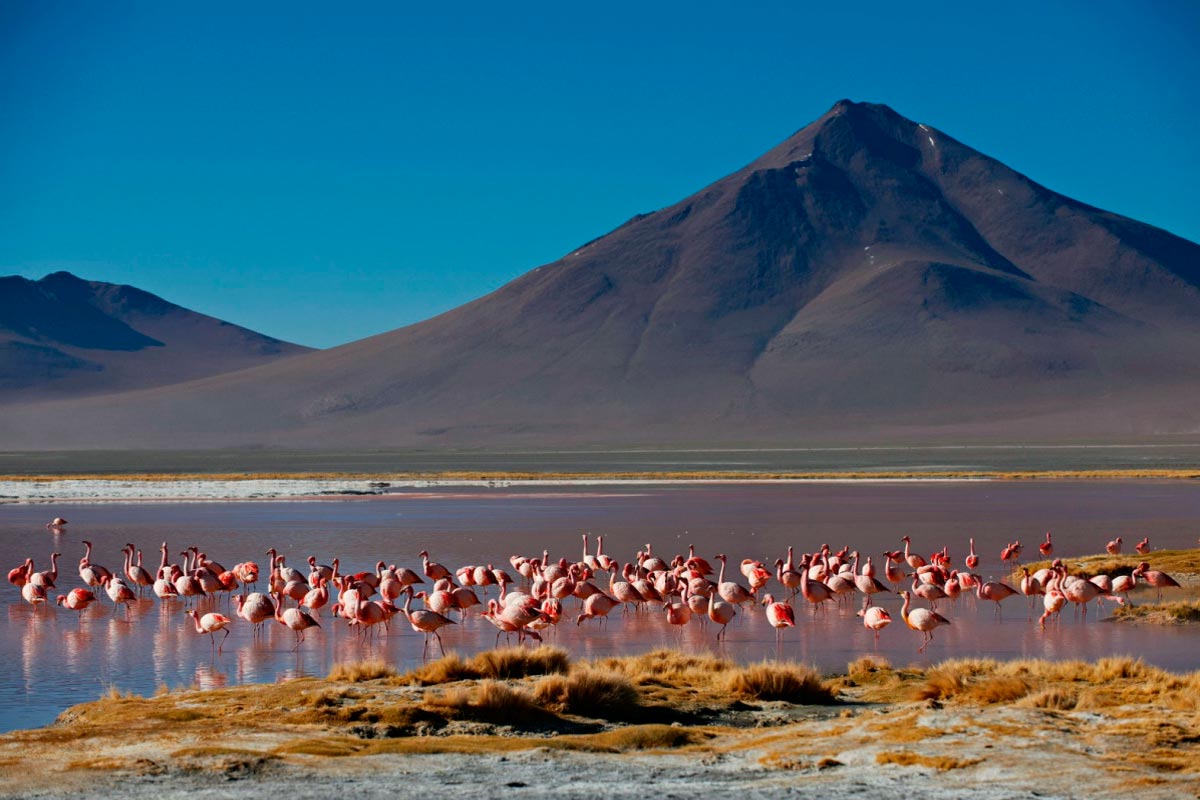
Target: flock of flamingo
(684,588)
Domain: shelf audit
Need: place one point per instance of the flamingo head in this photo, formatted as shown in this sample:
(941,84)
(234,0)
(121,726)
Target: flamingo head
(423,554)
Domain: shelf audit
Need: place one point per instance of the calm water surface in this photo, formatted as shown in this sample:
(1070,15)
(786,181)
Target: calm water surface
(49,660)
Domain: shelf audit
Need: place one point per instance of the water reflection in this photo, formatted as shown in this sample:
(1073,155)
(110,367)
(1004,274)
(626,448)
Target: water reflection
(65,658)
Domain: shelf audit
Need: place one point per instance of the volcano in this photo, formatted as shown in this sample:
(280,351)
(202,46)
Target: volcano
(869,279)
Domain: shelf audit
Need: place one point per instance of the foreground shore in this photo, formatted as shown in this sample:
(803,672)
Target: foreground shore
(530,723)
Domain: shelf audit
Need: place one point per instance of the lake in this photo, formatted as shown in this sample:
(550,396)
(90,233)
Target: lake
(49,660)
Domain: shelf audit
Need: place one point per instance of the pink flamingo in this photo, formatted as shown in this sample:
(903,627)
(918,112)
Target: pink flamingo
(294,619)
(597,604)
(256,608)
(210,624)
(46,578)
(1143,547)
(731,591)
(972,560)
(1156,578)
(813,591)
(780,615)
(1052,602)
(921,619)
(432,569)
(426,622)
(1046,548)
(77,600)
(914,561)
(994,591)
(1114,547)
(33,594)
(119,592)
(875,618)
(721,613)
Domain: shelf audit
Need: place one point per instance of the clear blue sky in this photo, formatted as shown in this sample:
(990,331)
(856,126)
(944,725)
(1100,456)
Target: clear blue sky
(322,177)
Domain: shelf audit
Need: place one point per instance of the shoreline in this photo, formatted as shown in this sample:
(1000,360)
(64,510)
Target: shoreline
(317,487)
(685,722)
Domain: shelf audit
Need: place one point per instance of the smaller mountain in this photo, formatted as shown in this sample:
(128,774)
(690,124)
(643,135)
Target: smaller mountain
(64,336)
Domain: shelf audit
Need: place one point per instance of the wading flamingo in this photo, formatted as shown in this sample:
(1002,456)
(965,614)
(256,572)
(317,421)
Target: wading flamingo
(921,619)
(210,624)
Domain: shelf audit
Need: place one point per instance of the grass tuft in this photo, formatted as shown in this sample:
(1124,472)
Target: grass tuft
(359,671)
(595,693)
(793,683)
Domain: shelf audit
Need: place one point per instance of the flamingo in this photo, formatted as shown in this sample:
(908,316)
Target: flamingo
(721,613)
(994,591)
(256,608)
(91,574)
(875,618)
(210,624)
(77,600)
(914,560)
(972,560)
(780,615)
(1046,548)
(19,576)
(731,591)
(1143,547)
(46,578)
(433,570)
(1053,602)
(1156,578)
(1114,547)
(296,620)
(135,573)
(813,591)
(678,614)
(316,597)
(426,622)
(597,604)
(119,592)
(33,594)
(921,619)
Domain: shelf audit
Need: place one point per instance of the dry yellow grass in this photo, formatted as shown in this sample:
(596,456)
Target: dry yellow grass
(357,671)
(507,663)
(589,693)
(908,759)
(793,683)
(1178,613)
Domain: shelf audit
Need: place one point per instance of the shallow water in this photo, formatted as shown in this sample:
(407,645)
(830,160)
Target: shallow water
(50,660)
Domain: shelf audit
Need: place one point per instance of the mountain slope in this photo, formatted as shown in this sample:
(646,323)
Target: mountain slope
(64,337)
(868,278)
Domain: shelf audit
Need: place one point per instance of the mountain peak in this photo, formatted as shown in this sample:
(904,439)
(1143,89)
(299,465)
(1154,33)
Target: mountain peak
(867,280)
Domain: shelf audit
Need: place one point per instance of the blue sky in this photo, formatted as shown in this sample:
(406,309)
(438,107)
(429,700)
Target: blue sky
(322,177)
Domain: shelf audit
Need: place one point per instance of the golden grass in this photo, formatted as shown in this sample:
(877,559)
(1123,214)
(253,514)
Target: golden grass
(358,671)
(589,692)
(1150,712)
(1181,612)
(717,475)
(905,758)
(508,663)
(793,683)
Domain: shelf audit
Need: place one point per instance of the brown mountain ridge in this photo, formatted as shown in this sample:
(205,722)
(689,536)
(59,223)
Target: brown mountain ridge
(63,336)
(869,279)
